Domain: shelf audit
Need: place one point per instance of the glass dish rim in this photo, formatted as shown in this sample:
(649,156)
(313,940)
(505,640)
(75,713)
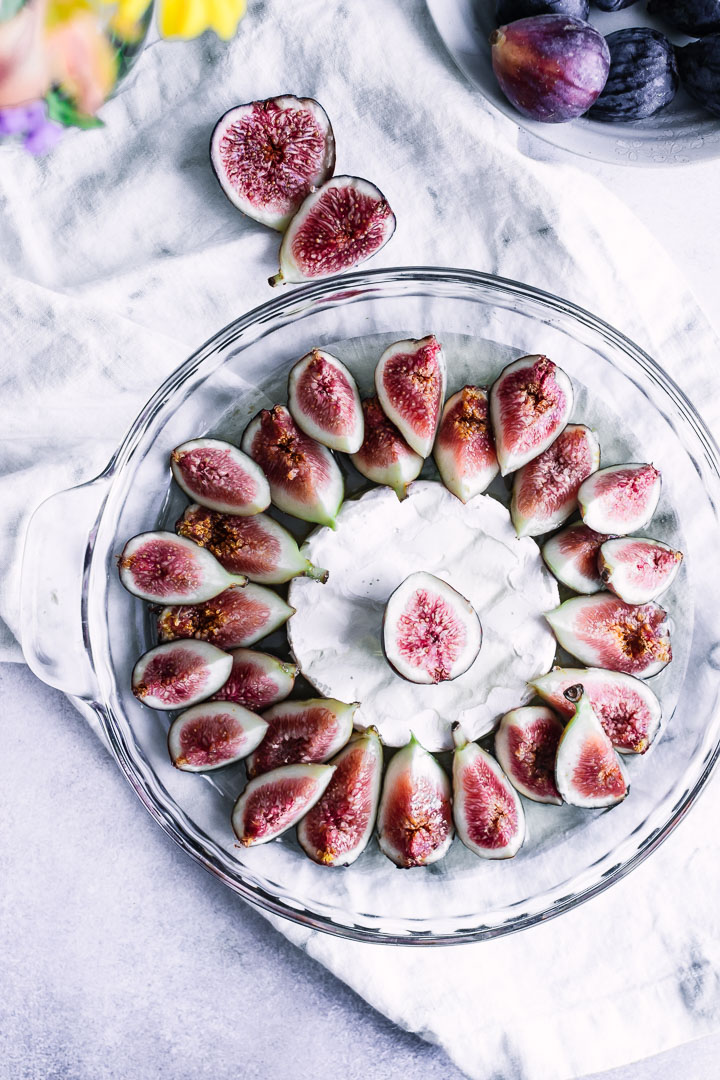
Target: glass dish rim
(359,285)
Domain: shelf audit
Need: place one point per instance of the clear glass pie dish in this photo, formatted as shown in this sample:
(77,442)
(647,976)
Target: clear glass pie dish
(82,632)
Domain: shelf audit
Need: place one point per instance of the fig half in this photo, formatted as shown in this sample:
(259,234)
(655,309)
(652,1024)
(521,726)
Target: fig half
(178,675)
(219,476)
(271,804)
(162,566)
(603,631)
(311,730)
(545,490)
(234,619)
(530,403)
(415,825)
(339,225)
(620,499)
(213,734)
(464,449)
(526,742)
(324,401)
(269,155)
(572,556)
(337,829)
(487,810)
(638,570)
(385,457)
(410,380)
(430,632)
(304,477)
(257,680)
(588,772)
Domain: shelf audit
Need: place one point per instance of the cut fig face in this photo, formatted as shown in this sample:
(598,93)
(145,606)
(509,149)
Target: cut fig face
(257,680)
(603,631)
(385,457)
(256,547)
(415,825)
(324,401)
(312,730)
(430,632)
(269,155)
(464,449)
(488,814)
(588,772)
(163,567)
(572,556)
(219,476)
(620,499)
(234,619)
(337,829)
(213,734)
(530,403)
(526,742)
(338,226)
(627,708)
(176,676)
(410,380)
(271,804)
(304,477)
(545,490)
(638,570)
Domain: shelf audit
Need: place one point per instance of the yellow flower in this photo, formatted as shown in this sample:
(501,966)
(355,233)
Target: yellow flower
(190,18)
(127,21)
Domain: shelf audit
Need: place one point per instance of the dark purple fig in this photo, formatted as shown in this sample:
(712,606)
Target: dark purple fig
(162,566)
(572,556)
(588,772)
(628,710)
(219,476)
(410,381)
(620,499)
(488,814)
(603,631)
(269,155)
(552,68)
(613,5)
(310,730)
(234,619)
(643,75)
(338,226)
(337,829)
(696,18)
(385,457)
(178,675)
(271,804)
(507,11)
(213,734)
(304,477)
(638,570)
(699,68)
(545,490)
(430,632)
(415,825)
(530,403)
(324,401)
(256,546)
(464,449)
(257,680)
(525,745)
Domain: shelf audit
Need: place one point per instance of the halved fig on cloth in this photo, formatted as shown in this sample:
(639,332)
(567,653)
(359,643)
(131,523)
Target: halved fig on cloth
(274,802)
(213,734)
(324,401)
(311,730)
(464,449)
(620,499)
(488,814)
(415,826)
(410,380)
(178,675)
(385,457)
(218,475)
(525,745)
(545,490)
(530,403)
(234,619)
(163,567)
(588,772)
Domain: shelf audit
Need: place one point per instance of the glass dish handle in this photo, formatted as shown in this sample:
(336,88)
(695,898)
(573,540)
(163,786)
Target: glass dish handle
(53,571)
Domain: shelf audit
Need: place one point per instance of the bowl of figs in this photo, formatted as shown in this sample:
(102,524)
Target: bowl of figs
(397,605)
(623,81)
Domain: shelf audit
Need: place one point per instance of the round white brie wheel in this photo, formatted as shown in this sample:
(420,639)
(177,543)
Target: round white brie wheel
(336,632)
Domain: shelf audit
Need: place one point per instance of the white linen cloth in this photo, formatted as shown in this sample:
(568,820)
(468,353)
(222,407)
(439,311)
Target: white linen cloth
(119,255)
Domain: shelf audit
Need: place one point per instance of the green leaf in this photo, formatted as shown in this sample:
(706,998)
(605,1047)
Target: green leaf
(9,8)
(63,111)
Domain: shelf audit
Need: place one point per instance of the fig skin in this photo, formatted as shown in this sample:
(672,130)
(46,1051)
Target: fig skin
(302,731)
(410,380)
(643,76)
(545,490)
(530,403)
(257,680)
(699,69)
(620,499)
(274,802)
(485,804)
(636,569)
(696,18)
(159,566)
(464,449)
(235,619)
(552,68)
(415,826)
(179,674)
(385,457)
(218,475)
(211,735)
(525,745)
(507,11)
(325,403)
(572,554)
(613,5)
(588,772)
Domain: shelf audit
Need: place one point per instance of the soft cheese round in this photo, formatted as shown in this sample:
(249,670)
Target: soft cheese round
(336,632)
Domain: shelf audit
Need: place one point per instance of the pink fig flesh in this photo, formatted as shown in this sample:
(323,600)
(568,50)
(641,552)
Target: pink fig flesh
(572,556)
(271,804)
(385,457)
(213,734)
(620,499)
(298,731)
(257,680)
(410,380)
(234,619)
(588,772)
(324,401)
(219,476)
(175,676)
(530,403)
(415,825)
(545,490)
(488,814)
(163,567)
(526,742)
(638,570)
(464,448)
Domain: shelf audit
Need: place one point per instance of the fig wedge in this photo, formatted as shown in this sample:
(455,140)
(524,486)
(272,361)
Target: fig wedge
(620,499)
(603,631)
(415,825)
(257,680)
(234,619)
(487,811)
(410,381)
(545,490)
(271,804)
(572,556)
(213,734)
(163,567)
(178,675)
(464,448)
(304,477)
(530,404)
(219,476)
(526,742)
(588,772)
(385,457)
(636,569)
(324,401)
(311,730)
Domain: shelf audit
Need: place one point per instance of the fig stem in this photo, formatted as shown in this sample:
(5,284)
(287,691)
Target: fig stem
(317,573)
(459,737)
(574,693)
(276,279)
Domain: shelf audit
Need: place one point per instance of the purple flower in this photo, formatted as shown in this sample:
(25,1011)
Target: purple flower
(40,134)
(43,137)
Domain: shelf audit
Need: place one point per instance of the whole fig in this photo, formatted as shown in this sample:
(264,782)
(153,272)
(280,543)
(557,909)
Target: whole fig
(699,68)
(643,75)
(551,67)
(509,10)
(694,17)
